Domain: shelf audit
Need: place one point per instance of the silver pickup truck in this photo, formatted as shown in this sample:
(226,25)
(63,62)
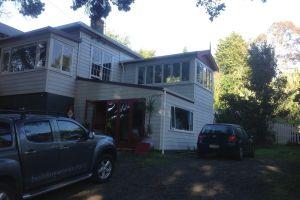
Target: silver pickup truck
(41,153)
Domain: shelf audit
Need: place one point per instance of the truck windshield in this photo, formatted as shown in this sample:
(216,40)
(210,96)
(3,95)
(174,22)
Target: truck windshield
(5,135)
(217,129)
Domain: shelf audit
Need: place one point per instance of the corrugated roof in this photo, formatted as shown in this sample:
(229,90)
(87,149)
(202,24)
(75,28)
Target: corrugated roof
(8,30)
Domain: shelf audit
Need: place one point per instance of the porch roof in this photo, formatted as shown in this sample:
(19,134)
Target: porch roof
(204,56)
(137,86)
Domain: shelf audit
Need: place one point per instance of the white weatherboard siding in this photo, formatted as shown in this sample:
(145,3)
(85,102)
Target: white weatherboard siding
(85,57)
(184,89)
(93,91)
(26,82)
(202,109)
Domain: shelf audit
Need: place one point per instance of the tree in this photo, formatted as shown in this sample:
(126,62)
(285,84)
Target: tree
(147,53)
(121,39)
(231,57)
(185,50)
(98,9)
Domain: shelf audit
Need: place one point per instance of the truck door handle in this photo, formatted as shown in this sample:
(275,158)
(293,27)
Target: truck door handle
(65,147)
(29,152)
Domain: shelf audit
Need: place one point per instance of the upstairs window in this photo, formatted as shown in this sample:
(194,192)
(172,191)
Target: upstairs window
(181,119)
(25,57)
(165,73)
(204,76)
(101,65)
(61,56)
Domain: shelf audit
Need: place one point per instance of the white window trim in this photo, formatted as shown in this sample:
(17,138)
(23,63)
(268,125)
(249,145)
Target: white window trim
(36,56)
(102,66)
(196,75)
(180,130)
(61,59)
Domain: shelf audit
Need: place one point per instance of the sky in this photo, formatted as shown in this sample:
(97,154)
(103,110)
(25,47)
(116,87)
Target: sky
(168,26)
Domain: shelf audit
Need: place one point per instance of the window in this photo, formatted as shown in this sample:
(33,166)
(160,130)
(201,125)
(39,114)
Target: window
(39,132)
(167,73)
(25,57)
(61,56)
(107,60)
(158,74)
(185,71)
(67,58)
(204,76)
(5,135)
(181,119)
(69,131)
(101,64)
(149,75)
(141,75)
(217,129)
(176,72)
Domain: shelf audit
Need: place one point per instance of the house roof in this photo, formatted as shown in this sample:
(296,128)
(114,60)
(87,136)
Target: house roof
(137,86)
(204,56)
(41,31)
(8,30)
(83,27)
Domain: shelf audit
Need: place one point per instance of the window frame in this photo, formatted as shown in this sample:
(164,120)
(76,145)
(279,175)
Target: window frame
(191,113)
(207,76)
(101,64)
(8,49)
(63,44)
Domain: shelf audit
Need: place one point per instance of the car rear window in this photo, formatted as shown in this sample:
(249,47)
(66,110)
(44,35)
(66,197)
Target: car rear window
(217,129)
(5,135)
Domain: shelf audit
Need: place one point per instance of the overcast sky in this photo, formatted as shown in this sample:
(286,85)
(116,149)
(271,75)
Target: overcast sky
(168,26)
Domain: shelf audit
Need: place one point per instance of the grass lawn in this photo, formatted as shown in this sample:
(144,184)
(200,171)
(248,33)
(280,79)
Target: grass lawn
(281,171)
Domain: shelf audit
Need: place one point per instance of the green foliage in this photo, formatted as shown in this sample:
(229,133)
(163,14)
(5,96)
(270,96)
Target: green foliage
(231,57)
(145,53)
(121,39)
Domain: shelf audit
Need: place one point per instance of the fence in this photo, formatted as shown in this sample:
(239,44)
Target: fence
(286,133)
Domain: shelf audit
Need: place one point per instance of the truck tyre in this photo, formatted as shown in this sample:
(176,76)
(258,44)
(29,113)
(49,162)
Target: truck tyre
(7,192)
(104,169)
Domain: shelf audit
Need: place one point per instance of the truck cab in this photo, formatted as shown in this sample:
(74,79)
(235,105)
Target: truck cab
(41,153)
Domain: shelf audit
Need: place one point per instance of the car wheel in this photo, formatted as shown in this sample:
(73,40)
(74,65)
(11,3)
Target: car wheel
(104,169)
(6,192)
(240,154)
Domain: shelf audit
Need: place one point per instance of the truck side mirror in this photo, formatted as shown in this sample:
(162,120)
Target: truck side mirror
(91,135)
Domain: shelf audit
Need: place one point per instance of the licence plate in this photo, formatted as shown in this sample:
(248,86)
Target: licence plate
(214,146)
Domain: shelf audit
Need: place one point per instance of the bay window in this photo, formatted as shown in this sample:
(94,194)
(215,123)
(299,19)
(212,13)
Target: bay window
(101,64)
(158,74)
(25,57)
(181,119)
(61,56)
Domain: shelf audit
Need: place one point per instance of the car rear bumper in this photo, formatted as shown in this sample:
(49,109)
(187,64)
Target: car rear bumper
(225,149)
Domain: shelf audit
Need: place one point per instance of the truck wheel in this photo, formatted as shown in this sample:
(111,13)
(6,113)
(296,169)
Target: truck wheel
(6,192)
(104,169)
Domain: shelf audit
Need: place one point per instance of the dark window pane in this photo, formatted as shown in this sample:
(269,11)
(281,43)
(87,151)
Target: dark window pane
(70,131)
(217,129)
(158,74)
(167,73)
(199,73)
(56,55)
(181,119)
(5,135)
(5,62)
(185,71)
(106,74)
(107,62)
(67,58)
(176,72)
(38,132)
(23,58)
(42,48)
(149,75)
(141,75)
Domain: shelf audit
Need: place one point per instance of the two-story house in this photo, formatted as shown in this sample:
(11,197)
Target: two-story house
(76,69)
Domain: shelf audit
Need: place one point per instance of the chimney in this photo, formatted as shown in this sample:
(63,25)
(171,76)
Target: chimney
(98,25)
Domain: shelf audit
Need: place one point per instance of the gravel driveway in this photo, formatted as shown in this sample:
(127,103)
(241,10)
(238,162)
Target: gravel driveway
(183,176)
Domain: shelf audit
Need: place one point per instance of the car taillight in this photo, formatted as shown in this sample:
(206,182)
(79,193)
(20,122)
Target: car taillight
(232,138)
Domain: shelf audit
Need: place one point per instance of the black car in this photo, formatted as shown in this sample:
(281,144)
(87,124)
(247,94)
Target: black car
(41,153)
(225,139)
